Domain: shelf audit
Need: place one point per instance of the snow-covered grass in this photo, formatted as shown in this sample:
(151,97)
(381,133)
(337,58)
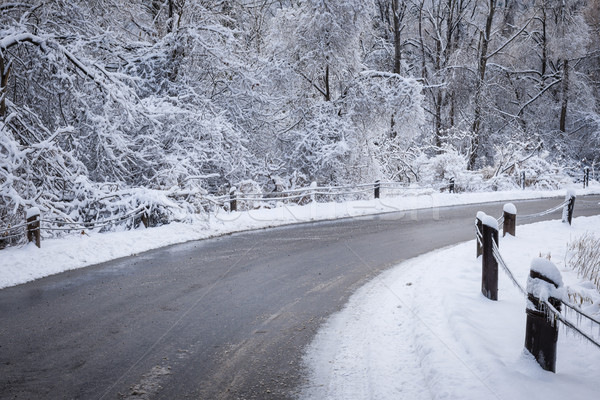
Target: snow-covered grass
(22,264)
(423,330)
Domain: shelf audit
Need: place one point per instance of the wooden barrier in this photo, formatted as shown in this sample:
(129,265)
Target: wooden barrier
(510,219)
(541,331)
(33,226)
(489,265)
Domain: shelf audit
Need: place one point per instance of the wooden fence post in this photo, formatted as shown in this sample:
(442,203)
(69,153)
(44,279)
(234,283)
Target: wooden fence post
(510,219)
(479,225)
(377,186)
(523,180)
(33,226)
(489,265)
(569,207)
(233,199)
(586,177)
(145,218)
(451,188)
(541,331)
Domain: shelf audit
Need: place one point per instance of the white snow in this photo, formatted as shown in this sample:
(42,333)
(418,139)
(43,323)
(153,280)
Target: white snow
(480,215)
(490,221)
(546,268)
(541,289)
(20,265)
(510,208)
(423,330)
(31,212)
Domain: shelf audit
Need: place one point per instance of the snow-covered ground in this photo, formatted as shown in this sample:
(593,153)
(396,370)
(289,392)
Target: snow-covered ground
(22,264)
(423,330)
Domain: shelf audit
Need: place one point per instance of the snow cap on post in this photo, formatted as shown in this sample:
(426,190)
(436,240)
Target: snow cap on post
(480,215)
(547,269)
(490,221)
(570,194)
(510,208)
(32,212)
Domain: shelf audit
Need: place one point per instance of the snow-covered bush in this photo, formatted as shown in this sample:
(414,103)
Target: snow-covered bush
(437,170)
(540,172)
(583,256)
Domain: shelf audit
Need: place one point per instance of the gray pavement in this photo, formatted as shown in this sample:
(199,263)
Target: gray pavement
(225,318)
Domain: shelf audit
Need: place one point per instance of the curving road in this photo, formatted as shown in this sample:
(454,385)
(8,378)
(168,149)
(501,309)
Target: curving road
(225,318)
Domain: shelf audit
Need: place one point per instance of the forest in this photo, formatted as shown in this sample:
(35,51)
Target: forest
(109,104)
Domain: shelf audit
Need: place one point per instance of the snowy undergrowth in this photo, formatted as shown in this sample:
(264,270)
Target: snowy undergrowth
(423,330)
(22,264)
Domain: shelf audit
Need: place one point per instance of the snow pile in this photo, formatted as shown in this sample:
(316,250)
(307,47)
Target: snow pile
(26,263)
(510,208)
(490,221)
(423,330)
(540,288)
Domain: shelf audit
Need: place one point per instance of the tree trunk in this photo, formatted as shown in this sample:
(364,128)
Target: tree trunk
(397,43)
(327,89)
(565,96)
(438,118)
(482,64)
(544,48)
(4,72)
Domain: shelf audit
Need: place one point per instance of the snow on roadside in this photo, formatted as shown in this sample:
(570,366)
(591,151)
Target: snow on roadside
(423,330)
(20,265)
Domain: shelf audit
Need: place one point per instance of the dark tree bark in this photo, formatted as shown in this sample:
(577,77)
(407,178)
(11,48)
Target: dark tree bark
(565,97)
(481,67)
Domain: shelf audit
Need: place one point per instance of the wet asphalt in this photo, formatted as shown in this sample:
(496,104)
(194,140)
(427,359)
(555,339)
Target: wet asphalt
(224,318)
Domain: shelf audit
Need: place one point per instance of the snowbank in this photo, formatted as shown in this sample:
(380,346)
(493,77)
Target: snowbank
(424,331)
(20,265)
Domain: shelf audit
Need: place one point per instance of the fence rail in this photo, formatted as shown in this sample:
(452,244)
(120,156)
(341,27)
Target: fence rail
(551,312)
(235,200)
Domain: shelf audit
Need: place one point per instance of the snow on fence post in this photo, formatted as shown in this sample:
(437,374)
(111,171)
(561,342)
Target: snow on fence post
(568,208)
(586,177)
(33,226)
(233,199)
(541,331)
(145,217)
(377,186)
(489,265)
(479,227)
(510,219)
(451,186)
(313,189)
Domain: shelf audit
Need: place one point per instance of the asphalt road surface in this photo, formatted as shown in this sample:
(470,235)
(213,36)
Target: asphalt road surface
(224,318)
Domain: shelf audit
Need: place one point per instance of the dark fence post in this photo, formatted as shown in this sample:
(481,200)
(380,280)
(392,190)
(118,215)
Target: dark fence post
(586,177)
(523,180)
(479,225)
(510,219)
(33,226)
(451,186)
(377,187)
(569,207)
(145,218)
(541,332)
(233,199)
(489,265)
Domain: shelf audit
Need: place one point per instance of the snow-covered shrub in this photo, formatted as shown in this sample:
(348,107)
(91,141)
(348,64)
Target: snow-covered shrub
(583,256)
(540,172)
(450,164)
